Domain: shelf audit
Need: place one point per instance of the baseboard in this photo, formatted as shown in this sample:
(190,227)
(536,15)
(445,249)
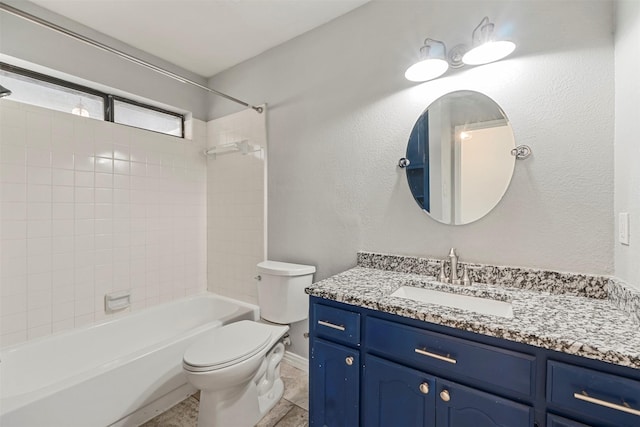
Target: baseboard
(296,361)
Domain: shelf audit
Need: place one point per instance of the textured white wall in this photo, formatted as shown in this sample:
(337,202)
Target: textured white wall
(627,149)
(341,113)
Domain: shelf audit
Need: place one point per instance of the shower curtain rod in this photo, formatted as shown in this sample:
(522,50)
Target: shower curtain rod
(32,18)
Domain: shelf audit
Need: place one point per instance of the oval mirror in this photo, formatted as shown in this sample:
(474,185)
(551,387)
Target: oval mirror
(460,161)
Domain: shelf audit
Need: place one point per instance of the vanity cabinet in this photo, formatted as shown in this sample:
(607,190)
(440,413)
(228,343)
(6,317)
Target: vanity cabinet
(375,369)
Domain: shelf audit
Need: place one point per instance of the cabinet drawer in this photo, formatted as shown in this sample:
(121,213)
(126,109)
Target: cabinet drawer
(460,359)
(336,324)
(607,397)
(556,421)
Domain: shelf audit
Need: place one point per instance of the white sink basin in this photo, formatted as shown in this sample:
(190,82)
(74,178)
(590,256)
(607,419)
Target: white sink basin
(464,302)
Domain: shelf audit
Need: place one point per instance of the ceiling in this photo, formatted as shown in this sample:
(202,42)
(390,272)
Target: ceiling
(202,36)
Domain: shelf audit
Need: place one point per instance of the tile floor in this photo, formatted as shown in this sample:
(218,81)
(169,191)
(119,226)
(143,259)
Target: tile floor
(290,411)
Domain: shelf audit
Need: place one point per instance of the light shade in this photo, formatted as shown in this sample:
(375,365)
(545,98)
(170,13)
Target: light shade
(431,65)
(4,91)
(486,48)
(427,69)
(488,52)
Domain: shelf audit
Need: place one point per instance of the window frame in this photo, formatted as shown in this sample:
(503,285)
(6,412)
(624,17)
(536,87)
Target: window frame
(111,113)
(108,99)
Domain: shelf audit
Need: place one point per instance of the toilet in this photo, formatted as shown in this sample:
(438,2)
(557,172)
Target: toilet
(237,367)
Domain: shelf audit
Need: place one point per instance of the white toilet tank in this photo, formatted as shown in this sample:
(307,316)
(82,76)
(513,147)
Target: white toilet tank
(281,295)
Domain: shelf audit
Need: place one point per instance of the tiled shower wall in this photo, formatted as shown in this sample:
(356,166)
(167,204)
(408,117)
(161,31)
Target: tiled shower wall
(88,208)
(236,207)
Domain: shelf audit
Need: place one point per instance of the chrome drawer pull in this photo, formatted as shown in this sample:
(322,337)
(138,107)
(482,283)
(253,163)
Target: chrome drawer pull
(436,356)
(331,325)
(584,397)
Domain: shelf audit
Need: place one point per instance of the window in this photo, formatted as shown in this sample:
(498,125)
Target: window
(34,89)
(142,116)
(49,92)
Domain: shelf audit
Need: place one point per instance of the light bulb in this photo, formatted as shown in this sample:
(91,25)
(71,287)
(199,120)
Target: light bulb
(488,52)
(427,69)
(79,110)
(465,136)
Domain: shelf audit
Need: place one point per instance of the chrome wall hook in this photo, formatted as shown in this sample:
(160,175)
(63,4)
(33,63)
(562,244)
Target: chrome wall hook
(521,152)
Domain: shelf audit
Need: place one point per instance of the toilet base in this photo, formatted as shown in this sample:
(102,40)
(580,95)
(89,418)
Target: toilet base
(244,406)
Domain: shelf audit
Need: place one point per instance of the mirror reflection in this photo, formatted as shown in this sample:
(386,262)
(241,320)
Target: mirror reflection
(460,161)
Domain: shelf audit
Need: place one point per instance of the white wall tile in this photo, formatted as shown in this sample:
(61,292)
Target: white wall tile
(62,325)
(12,323)
(39,317)
(13,304)
(13,173)
(62,160)
(77,215)
(13,211)
(38,157)
(12,192)
(84,179)
(62,227)
(39,211)
(62,177)
(104,165)
(103,180)
(63,210)
(13,154)
(63,194)
(38,193)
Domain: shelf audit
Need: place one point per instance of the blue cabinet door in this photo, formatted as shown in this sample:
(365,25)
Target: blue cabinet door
(395,395)
(457,406)
(334,385)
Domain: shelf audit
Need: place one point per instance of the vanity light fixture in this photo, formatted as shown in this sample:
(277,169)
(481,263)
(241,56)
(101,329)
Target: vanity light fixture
(484,49)
(431,65)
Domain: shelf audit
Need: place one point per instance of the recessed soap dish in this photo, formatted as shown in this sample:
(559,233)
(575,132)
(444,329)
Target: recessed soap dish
(116,301)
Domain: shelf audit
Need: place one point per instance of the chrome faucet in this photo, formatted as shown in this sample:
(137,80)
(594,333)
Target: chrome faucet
(454,279)
(454,267)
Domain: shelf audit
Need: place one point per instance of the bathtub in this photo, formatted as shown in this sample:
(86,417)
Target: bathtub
(119,373)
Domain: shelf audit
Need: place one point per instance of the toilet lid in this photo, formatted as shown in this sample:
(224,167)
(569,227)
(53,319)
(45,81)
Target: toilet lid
(227,345)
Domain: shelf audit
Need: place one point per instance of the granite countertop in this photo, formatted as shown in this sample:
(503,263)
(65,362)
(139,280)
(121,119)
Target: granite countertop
(589,327)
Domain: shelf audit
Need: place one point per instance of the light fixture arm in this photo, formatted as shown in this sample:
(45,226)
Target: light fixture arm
(481,26)
(428,42)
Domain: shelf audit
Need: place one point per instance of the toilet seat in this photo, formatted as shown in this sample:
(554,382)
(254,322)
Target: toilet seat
(227,345)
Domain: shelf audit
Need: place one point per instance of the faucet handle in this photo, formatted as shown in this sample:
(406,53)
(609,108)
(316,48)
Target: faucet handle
(465,277)
(442,277)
